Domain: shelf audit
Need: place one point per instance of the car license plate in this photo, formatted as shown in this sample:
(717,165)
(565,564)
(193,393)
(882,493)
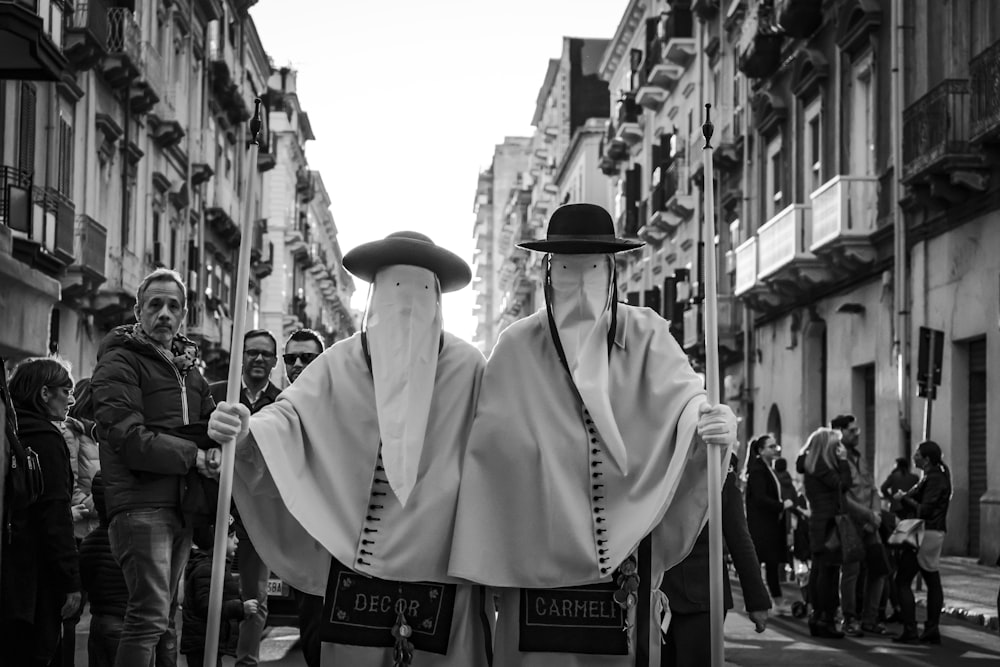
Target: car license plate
(276,587)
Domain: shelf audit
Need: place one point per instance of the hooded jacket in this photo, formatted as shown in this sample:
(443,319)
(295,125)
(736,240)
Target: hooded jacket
(141,394)
(84,459)
(197,585)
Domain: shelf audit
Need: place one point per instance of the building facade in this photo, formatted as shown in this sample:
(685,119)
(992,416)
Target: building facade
(123,147)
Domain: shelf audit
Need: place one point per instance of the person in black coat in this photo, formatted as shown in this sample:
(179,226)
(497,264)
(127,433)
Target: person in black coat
(826,477)
(929,500)
(766,514)
(104,583)
(686,585)
(40,576)
(197,586)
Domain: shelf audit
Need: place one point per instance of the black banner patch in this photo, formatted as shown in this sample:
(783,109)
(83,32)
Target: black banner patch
(581,619)
(360,610)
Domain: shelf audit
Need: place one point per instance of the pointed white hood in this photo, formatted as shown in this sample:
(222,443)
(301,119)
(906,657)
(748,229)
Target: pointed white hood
(581,309)
(404,331)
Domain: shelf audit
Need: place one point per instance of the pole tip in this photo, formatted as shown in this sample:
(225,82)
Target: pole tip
(708,129)
(255,122)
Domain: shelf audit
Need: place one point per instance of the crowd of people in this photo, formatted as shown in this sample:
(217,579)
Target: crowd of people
(850,592)
(110,495)
(394,456)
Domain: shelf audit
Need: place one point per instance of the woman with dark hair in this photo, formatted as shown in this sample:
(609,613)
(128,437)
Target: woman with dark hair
(929,499)
(766,514)
(826,477)
(40,577)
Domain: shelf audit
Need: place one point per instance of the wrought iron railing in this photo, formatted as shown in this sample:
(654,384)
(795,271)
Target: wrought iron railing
(936,125)
(123,33)
(984,78)
(54,227)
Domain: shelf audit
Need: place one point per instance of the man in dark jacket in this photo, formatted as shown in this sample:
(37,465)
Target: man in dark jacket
(688,642)
(146,388)
(104,583)
(260,354)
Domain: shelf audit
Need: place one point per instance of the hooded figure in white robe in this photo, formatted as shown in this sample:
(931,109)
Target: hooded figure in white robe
(585,476)
(348,483)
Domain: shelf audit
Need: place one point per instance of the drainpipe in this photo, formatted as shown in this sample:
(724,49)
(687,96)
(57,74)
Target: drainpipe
(901,302)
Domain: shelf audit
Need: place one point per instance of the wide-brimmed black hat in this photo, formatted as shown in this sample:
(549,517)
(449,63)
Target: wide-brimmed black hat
(580,229)
(413,249)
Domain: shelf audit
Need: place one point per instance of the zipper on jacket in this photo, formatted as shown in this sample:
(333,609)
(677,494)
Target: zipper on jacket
(180,380)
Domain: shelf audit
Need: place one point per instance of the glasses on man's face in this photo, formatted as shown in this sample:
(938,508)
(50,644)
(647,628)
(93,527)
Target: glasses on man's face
(306,357)
(263,354)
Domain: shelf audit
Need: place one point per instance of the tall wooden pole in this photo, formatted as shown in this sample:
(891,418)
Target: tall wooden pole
(232,396)
(710,310)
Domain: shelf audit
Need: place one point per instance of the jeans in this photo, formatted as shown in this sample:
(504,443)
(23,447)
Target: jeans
(102,643)
(870,589)
(907,570)
(152,547)
(253,584)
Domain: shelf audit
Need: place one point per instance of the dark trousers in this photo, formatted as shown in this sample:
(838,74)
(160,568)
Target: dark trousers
(771,576)
(310,618)
(18,645)
(907,570)
(824,584)
(688,642)
(198,659)
(102,641)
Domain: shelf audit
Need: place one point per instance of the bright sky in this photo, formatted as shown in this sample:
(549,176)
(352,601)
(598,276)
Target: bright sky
(408,98)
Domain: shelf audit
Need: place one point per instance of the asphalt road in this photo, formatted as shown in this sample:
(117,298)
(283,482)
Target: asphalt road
(786,642)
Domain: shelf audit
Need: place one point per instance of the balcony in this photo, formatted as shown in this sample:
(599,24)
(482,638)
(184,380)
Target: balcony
(613,150)
(147,89)
(668,207)
(627,123)
(783,256)
(48,246)
(262,251)
(164,121)
(936,149)
(984,78)
(305,185)
(86,38)
(759,46)
(120,65)
(675,33)
(202,156)
(844,215)
(746,267)
(29,43)
(798,18)
(297,240)
(223,214)
(15,198)
(729,319)
(116,297)
(90,248)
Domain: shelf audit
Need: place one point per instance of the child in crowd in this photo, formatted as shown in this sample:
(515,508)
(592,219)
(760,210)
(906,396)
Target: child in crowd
(198,583)
(104,584)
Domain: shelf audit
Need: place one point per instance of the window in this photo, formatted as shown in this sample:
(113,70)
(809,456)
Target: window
(64,176)
(812,151)
(772,178)
(861,131)
(26,128)
(157,247)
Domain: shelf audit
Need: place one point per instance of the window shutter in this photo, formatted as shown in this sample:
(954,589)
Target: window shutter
(26,129)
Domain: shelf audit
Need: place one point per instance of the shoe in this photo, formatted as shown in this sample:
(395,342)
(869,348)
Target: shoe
(826,631)
(908,636)
(853,629)
(930,636)
(894,618)
(875,628)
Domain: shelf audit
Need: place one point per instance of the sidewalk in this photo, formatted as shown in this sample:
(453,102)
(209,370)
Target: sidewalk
(970,591)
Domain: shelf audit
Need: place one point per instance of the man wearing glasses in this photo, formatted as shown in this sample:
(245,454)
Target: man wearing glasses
(260,355)
(301,349)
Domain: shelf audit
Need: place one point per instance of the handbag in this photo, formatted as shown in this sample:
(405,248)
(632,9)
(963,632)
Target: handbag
(842,537)
(909,533)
